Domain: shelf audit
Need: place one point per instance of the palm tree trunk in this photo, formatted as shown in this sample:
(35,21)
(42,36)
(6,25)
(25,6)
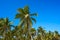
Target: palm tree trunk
(4,36)
(28,29)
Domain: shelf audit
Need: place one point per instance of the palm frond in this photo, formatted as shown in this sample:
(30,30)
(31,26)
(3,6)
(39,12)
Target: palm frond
(33,19)
(18,16)
(6,21)
(21,11)
(34,14)
(26,10)
(21,22)
(33,29)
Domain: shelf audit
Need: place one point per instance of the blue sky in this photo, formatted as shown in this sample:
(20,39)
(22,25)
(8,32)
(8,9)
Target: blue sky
(48,12)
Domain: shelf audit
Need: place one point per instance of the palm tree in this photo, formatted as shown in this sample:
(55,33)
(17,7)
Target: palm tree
(1,31)
(56,35)
(41,32)
(33,33)
(15,33)
(5,27)
(25,18)
(50,35)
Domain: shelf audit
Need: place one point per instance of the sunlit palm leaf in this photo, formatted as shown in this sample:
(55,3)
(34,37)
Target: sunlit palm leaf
(26,10)
(21,11)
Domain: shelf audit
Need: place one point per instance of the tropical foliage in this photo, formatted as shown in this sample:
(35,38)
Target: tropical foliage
(24,30)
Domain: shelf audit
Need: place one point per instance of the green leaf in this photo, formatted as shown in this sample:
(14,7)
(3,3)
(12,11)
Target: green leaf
(33,19)
(18,16)
(35,14)
(26,10)
(21,11)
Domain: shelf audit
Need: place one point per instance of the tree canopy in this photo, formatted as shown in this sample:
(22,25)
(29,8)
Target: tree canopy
(24,30)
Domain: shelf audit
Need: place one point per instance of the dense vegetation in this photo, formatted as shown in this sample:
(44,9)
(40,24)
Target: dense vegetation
(24,30)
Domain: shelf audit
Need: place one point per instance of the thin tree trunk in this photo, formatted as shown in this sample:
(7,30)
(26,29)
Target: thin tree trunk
(4,36)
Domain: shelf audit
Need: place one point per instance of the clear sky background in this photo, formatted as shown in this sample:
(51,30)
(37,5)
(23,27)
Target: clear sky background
(48,12)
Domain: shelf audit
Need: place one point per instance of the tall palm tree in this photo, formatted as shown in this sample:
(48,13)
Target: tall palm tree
(25,17)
